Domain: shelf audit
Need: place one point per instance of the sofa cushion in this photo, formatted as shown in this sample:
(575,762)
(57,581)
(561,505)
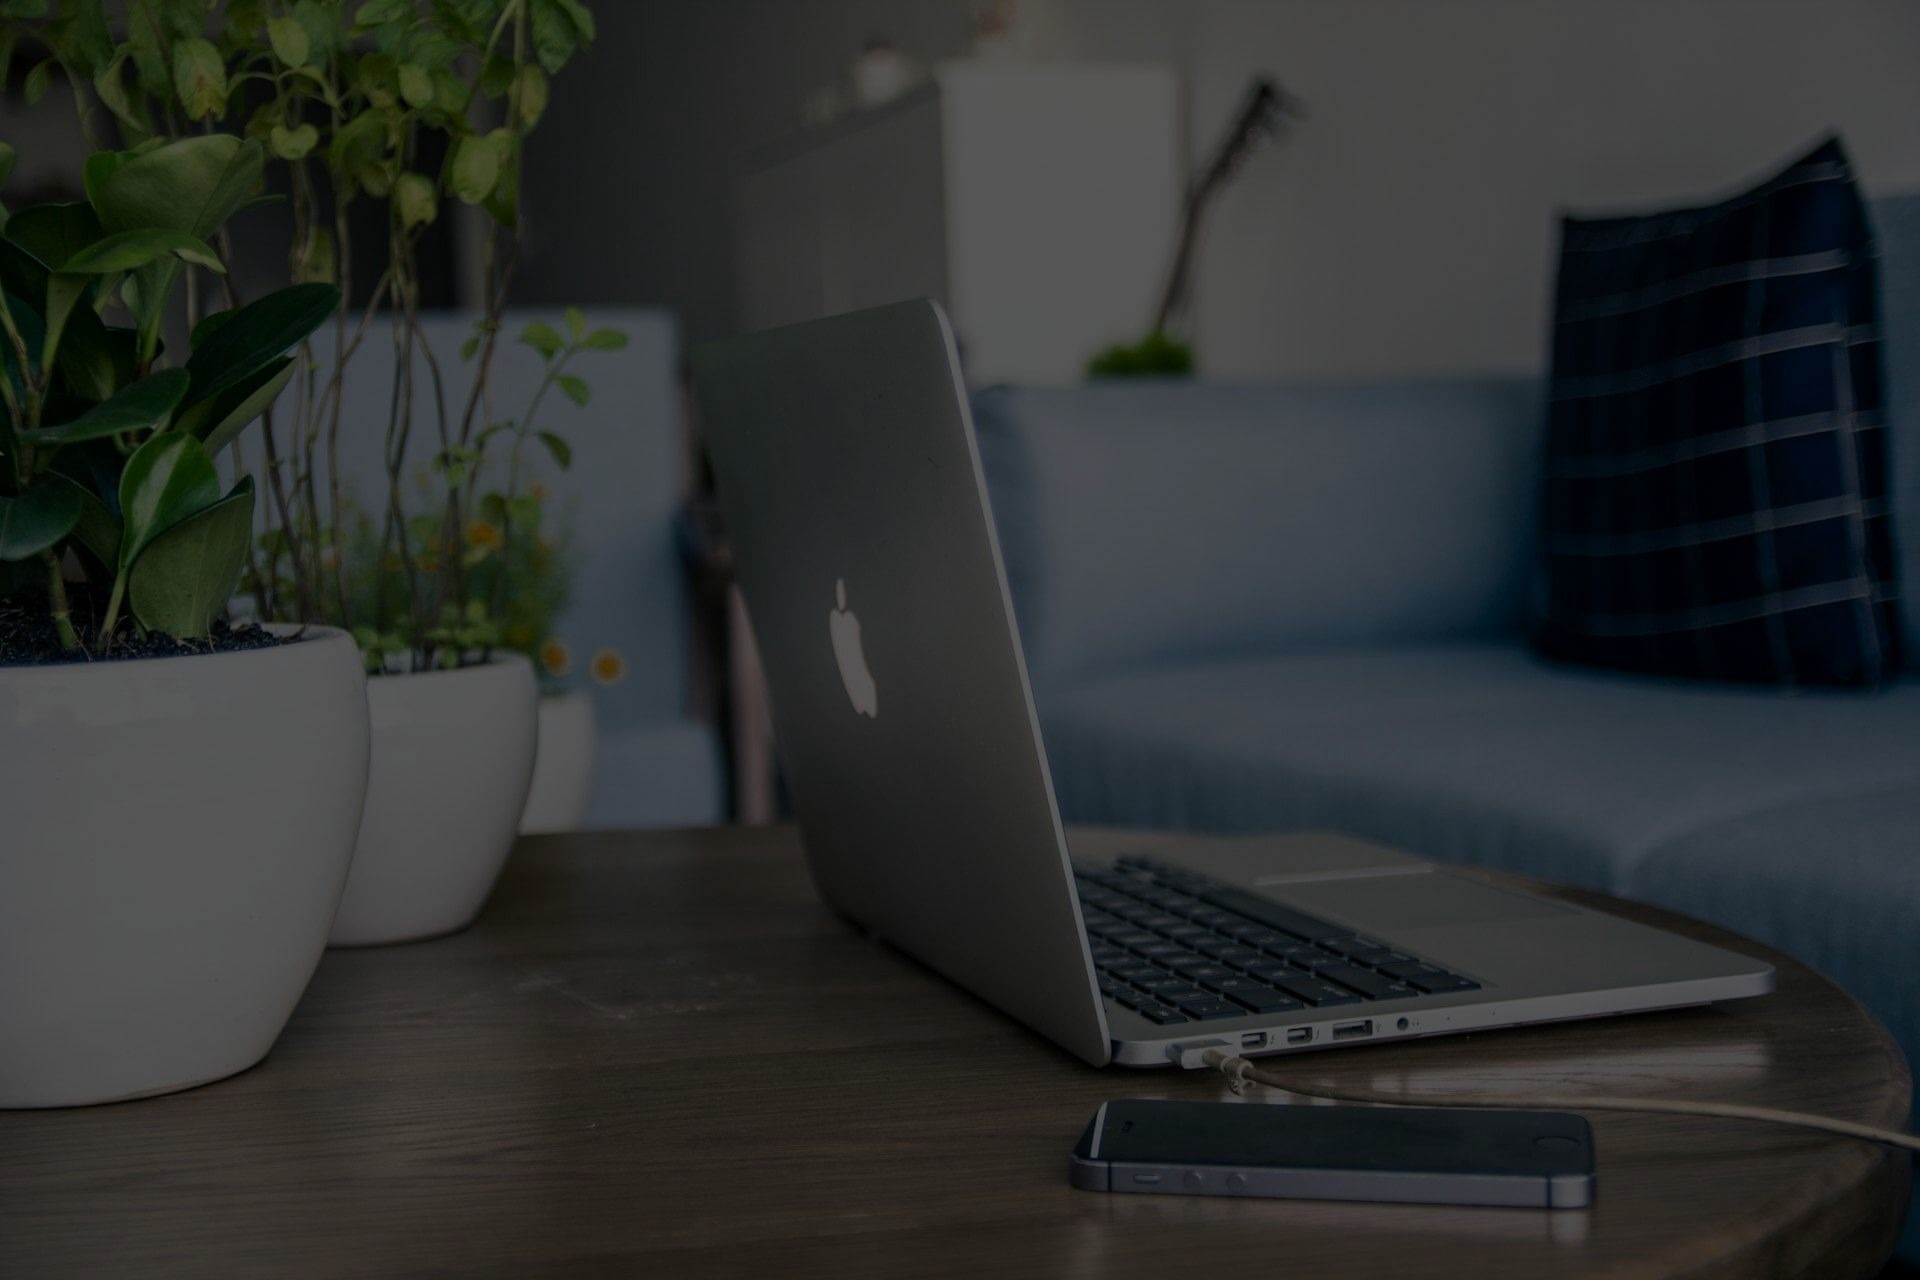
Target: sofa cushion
(1146,521)
(1479,753)
(1833,882)
(1716,481)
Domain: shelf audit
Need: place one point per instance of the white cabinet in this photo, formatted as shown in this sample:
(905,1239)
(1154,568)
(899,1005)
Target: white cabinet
(1037,202)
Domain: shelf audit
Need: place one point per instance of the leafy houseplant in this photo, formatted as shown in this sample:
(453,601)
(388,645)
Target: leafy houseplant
(140,950)
(109,445)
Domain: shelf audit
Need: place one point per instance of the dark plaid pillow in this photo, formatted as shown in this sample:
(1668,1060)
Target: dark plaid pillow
(1715,499)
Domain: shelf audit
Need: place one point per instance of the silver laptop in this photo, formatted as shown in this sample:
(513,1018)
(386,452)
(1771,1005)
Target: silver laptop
(851,487)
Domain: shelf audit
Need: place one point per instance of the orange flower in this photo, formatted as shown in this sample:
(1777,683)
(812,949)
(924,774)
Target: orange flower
(483,535)
(608,666)
(555,658)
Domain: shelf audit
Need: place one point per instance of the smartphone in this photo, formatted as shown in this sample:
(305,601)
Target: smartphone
(1409,1155)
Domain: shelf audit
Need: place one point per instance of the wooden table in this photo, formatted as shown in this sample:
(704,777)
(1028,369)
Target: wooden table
(658,1055)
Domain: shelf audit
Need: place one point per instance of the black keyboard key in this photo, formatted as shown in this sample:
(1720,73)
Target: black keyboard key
(1238,957)
(1207,975)
(1182,957)
(1187,933)
(1374,986)
(1130,937)
(1273,915)
(1408,970)
(1136,972)
(1213,945)
(1208,1010)
(1317,960)
(1361,950)
(1315,992)
(1264,937)
(1231,987)
(1173,989)
(1213,918)
(1163,1014)
(1189,966)
(1104,956)
(1272,971)
(1264,999)
(1111,986)
(1159,950)
(1159,921)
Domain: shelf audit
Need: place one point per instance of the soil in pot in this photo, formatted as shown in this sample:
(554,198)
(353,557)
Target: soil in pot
(28,639)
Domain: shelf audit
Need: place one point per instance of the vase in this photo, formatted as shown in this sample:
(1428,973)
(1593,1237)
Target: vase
(452,759)
(178,832)
(562,764)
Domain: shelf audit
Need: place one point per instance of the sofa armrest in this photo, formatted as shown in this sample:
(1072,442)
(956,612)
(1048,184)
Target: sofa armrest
(1152,522)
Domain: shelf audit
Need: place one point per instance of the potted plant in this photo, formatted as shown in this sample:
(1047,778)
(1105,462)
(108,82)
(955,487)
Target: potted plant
(406,106)
(181,797)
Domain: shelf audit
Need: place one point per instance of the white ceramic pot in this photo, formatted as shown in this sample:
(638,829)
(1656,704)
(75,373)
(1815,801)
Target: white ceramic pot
(562,764)
(452,757)
(176,833)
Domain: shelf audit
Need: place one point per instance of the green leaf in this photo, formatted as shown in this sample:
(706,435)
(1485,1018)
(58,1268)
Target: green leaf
(168,479)
(562,451)
(54,232)
(129,250)
(6,162)
(209,324)
(257,335)
(475,167)
(576,324)
(605,340)
(97,529)
(531,85)
(575,388)
(39,79)
(416,85)
(470,347)
(289,40)
(185,577)
(100,166)
(544,338)
(199,78)
(145,405)
(378,12)
(218,422)
(110,84)
(295,143)
(414,195)
(192,185)
(37,519)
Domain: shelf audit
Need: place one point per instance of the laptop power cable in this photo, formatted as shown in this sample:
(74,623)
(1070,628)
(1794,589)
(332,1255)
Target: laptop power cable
(1241,1073)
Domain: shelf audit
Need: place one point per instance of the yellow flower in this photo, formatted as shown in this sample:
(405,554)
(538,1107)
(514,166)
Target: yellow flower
(555,658)
(428,563)
(483,535)
(608,666)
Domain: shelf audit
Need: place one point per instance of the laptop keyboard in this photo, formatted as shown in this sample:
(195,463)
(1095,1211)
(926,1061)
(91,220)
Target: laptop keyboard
(1175,946)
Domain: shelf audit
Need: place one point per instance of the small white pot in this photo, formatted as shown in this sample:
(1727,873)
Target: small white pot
(177,833)
(452,757)
(562,764)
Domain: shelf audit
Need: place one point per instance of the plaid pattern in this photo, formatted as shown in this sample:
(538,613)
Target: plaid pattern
(1715,498)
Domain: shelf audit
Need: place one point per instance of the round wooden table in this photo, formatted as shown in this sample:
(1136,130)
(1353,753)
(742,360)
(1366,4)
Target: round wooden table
(658,1054)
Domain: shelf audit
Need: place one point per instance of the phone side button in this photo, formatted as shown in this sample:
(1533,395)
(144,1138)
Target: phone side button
(1194,1181)
(1236,1182)
(1147,1179)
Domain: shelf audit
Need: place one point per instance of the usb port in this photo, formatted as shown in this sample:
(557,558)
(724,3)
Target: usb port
(1253,1040)
(1352,1030)
(1299,1035)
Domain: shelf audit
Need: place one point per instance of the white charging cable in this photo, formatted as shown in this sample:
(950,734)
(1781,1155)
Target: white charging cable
(1241,1072)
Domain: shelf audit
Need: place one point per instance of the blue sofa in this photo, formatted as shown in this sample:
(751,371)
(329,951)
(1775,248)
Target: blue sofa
(1254,608)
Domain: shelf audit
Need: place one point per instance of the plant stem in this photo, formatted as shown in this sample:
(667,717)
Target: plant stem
(57,593)
(111,618)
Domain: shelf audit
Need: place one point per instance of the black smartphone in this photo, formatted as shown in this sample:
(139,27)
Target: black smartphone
(1417,1155)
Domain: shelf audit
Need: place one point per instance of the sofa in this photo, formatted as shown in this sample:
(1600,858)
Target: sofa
(1252,608)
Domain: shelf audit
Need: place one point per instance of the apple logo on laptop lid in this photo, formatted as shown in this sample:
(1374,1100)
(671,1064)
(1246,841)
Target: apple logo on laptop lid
(845,630)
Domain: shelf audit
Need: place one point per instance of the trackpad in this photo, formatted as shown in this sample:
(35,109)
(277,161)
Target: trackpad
(1393,904)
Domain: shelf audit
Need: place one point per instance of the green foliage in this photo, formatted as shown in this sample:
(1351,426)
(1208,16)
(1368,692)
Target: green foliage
(107,476)
(356,100)
(1154,356)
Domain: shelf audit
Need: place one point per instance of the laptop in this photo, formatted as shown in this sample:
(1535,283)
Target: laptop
(864,545)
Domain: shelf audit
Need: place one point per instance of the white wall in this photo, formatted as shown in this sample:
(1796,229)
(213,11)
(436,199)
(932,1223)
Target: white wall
(1406,227)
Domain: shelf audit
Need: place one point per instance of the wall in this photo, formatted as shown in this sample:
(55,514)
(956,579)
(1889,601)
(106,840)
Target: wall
(1406,227)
